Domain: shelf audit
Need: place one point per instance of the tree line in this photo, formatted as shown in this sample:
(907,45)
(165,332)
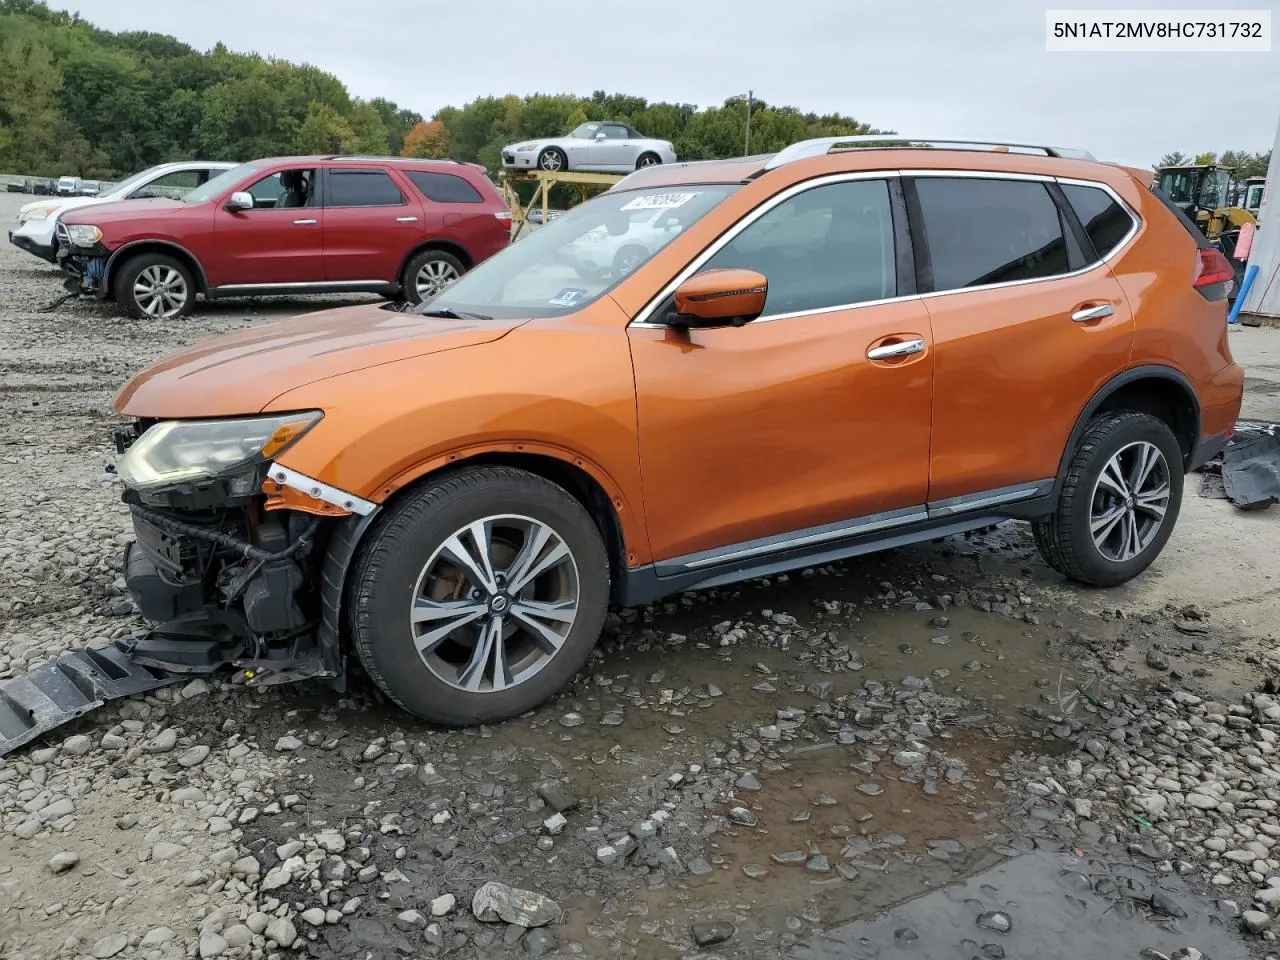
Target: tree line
(1244,163)
(75,99)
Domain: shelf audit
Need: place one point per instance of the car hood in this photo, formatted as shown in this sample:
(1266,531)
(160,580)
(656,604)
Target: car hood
(113,211)
(241,373)
(57,203)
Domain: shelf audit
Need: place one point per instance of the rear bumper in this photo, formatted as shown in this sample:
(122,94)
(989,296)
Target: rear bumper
(1220,398)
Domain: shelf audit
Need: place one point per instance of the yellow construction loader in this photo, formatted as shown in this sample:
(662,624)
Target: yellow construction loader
(1207,193)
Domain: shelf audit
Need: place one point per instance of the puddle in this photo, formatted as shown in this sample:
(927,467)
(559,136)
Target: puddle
(1057,904)
(864,741)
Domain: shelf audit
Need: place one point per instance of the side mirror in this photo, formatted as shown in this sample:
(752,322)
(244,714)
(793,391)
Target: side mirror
(719,298)
(599,136)
(142,193)
(240,200)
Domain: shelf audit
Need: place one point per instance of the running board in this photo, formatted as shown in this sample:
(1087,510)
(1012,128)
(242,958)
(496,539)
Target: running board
(61,690)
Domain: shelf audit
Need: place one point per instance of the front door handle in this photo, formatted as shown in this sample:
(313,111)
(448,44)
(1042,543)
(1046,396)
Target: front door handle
(1093,313)
(304,221)
(900,349)
(406,219)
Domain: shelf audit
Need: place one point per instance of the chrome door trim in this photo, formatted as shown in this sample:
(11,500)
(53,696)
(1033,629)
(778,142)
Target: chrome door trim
(642,321)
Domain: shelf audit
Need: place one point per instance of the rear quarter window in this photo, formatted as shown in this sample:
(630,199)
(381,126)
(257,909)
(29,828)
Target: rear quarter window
(1105,221)
(444,187)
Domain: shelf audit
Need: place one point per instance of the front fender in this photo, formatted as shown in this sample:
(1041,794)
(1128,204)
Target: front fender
(550,388)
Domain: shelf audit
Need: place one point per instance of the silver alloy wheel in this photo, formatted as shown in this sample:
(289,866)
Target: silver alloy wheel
(550,160)
(494,603)
(649,160)
(433,276)
(160,291)
(1130,501)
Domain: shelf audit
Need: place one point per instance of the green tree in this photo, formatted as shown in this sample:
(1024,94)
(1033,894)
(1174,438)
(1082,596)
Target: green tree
(324,130)
(1175,159)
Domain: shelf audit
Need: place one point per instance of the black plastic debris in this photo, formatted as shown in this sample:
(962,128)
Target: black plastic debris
(1247,473)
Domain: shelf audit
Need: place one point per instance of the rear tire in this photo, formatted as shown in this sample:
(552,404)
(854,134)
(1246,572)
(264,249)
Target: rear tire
(410,585)
(429,272)
(153,286)
(1120,500)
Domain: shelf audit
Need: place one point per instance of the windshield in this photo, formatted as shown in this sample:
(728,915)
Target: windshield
(579,256)
(211,188)
(1178,185)
(585,131)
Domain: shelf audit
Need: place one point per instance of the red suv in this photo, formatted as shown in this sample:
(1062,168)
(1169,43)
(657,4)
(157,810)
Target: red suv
(392,226)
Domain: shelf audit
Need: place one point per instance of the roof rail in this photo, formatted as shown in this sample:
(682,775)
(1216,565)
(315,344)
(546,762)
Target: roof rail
(824,145)
(354,156)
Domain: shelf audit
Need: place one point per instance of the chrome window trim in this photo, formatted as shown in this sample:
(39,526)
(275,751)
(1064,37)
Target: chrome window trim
(641,319)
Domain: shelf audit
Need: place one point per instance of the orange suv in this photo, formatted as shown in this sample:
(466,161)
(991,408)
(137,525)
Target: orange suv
(772,362)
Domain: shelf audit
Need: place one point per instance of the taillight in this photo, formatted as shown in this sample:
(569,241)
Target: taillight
(502,214)
(1212,268)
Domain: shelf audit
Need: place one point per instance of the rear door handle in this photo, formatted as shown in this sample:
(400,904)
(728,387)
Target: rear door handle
(304,221)
(1093,313)
(406,219)
(900,349)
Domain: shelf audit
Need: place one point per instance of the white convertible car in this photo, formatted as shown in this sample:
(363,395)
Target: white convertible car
(597,146)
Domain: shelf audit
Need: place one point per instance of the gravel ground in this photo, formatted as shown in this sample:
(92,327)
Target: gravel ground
(776,770)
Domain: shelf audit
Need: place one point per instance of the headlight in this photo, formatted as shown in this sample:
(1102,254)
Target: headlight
(39,213)
(83,234)
(179,451)
(525,147)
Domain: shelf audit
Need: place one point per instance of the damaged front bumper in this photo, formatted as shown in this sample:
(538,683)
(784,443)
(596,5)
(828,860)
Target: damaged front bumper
(230,576)
(85,267)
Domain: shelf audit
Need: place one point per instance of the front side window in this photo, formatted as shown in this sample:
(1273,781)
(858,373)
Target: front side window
(176,185)
(615,132)
(578,257)
(585,131)
(284,189)
(1104,220)
(829,246)
(983,231)
(361,188)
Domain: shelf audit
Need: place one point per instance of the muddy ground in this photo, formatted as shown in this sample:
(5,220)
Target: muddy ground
(942,752)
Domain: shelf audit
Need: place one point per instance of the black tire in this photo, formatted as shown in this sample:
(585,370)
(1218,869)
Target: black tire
(124,286)
(1065,539)
(553,160)
(386,577)
(432,259)
(648,159)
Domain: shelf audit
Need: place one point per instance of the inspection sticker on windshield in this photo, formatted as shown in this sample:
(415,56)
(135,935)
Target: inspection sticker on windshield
(567,297)
(659,201)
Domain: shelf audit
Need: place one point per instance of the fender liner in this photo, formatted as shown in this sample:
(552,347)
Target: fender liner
(1145,372)
(116,254)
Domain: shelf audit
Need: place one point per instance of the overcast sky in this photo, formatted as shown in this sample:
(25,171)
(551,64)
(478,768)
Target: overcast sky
(926,68)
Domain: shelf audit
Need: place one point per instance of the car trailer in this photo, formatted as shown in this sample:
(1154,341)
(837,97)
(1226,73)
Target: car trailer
(509,180)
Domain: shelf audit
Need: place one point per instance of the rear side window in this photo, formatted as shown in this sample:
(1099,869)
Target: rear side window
(361,188)
(981,231)
(444,187)
(1105,221)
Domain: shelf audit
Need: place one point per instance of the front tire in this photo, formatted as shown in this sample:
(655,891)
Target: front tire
(152,286)
(1120,500)
(649,159)
(480,596)
(553,160)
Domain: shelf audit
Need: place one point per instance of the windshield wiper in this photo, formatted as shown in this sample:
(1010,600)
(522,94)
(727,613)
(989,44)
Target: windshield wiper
(448,314)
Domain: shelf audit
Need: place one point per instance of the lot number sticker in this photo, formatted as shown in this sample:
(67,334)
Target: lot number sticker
(567,297)
(659,201)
